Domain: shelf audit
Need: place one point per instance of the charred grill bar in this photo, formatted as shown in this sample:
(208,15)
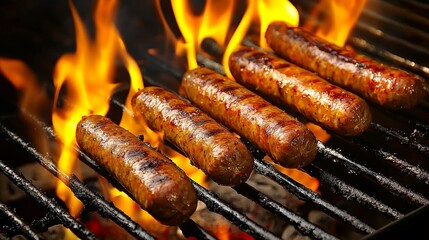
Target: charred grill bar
(339,157)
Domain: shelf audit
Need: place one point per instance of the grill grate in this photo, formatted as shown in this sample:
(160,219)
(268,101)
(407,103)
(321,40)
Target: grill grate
(17,224)
(330,159)
(61,214)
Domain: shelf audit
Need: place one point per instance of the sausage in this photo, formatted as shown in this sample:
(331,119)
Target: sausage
(157,184)
(287,141)
(387,86)
(209,145)
(327,104)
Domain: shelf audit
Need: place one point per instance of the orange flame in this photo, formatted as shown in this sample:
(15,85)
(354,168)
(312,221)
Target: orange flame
(340,17)
(318,132)
(215,22)
(33,99)
(212,23)
(275,10)
(86,77)
(195,28)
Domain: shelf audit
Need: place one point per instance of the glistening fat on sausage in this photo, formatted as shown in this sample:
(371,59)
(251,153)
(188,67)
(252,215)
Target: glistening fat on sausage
(156,183)
(387,86)
(328,105)
(287,141)
(209,145)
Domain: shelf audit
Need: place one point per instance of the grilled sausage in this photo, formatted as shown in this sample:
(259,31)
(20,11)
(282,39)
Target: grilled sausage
(209,145)
(384,85)
(287,141)
(156,183)
(305,92)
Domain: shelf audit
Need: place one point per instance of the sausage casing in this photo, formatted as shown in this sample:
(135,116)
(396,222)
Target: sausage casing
(287,141)
(387,86)
(209,145)
(302,90)
(156,183)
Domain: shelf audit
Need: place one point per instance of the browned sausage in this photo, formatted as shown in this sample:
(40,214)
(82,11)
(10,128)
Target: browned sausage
(302,90)
(156,183)
(384,85)
(287,141)
(209,145)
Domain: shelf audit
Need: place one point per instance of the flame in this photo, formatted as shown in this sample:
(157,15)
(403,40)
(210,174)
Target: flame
(296,174)
(222,232)
(338,19)
(86,79)
(212,23)
(318,132)
(275,10)
(215,22)
(33,99)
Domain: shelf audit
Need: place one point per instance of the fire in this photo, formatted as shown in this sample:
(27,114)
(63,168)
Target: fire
(212,23)
(86,76)
(33,98)
(275,10)
(215,22)
(319,132)
(338,18)
(85,80)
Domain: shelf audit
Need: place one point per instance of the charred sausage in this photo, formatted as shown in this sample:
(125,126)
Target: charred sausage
(287,141)
(302,90)
(209,145)
(156,183)
(384,85)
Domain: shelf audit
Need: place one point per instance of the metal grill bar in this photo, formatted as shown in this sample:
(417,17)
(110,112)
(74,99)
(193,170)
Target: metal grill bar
(18,225)
(405,167)
(306,194)
(351,192)
(215,204)
(402,139)
(192,230)
(88,197)
(389,184)
(363,45)
(42,224)
(300,223)
(68,221)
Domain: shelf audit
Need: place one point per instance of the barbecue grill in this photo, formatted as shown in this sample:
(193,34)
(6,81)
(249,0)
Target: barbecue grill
(374,186)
